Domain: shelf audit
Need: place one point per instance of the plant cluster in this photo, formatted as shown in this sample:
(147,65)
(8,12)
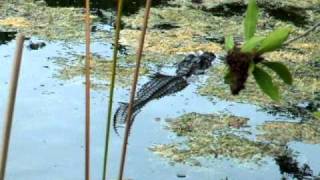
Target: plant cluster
(247,58)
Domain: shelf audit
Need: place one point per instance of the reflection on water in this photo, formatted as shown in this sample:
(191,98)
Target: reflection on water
(290,166)
(6,37)
(129,6)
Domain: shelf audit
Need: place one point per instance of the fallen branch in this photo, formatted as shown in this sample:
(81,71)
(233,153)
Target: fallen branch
(313,28)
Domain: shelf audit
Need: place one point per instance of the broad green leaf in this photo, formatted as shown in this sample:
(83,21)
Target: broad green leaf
(274,40)
(281,70)
(252,44)
(229,43)
(251,19)
(265,83)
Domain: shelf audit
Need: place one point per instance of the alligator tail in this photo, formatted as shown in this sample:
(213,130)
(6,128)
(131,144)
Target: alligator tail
(121,115)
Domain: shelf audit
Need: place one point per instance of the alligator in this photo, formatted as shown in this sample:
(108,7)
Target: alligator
(161,85)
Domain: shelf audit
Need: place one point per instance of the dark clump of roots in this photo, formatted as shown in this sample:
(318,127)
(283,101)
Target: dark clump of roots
(238,64)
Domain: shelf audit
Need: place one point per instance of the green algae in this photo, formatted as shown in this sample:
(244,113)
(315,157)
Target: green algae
(284,132)
(213,136)
(222,136)
(48,23)
(74,67)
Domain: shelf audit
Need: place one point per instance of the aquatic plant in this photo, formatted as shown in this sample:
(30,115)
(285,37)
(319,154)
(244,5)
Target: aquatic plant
(242,60)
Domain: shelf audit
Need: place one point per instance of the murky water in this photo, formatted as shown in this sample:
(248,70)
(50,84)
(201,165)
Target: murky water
(129,6)
(48,131)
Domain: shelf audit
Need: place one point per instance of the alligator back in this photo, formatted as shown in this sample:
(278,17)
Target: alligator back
(159,86)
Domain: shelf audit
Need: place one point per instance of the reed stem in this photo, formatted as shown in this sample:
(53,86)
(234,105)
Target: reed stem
(111,91)
(87,91)
(10,106)
(133,89)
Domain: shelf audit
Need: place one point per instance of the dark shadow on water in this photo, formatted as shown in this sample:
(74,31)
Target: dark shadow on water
(129,7)
(288,165)
(6,37)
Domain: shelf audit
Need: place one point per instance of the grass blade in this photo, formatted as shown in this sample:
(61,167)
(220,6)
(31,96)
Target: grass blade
(229,43)
(111,91)
(251,19)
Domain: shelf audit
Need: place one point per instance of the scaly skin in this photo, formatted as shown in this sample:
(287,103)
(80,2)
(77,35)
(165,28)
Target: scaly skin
(162,85)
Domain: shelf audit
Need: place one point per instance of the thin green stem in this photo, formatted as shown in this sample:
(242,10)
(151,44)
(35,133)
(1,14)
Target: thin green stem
(111,91)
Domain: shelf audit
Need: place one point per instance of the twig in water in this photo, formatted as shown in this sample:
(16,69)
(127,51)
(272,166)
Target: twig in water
(313,28)
(114,64)
(133,89)
(10,106)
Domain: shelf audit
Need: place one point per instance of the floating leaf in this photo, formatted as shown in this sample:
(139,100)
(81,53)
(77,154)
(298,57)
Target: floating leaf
(251,19)
(281,70)
(274,40)
(229,43)
(252,44)
(265,83)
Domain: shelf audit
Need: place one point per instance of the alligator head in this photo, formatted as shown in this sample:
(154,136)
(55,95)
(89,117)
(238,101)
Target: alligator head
(195,64)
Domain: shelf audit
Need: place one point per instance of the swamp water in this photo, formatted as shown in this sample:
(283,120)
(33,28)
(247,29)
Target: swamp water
(48,131)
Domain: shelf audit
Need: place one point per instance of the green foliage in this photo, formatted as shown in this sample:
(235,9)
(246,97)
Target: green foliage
(250,21)
(274,40)
(229,43)
(265,83)
(281,70)
(252,44)
(252,50)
